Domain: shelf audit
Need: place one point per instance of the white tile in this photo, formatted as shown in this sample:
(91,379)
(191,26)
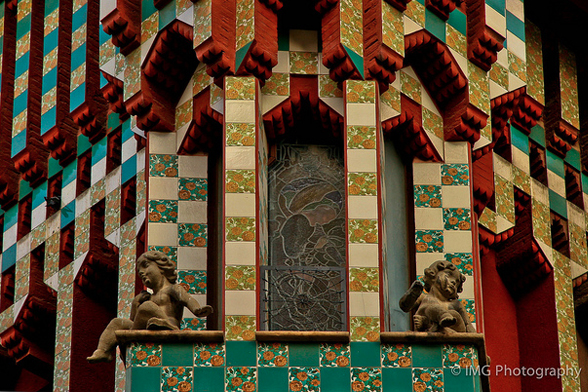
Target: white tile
(410,26)
(514,82)
(516,46)
(461,61)
(192,211)
(363,255)
(23,247)
(426,173)
(502,58)
(109,67)
(145,47)
(241,157)
(163,188)
(362,207)
(162,234)
(556,183)
(361,160)
(577,269)
(468,288)
(106,7)
(240,303)
(495,20)
(303,41)
(428,218)
(53,282)
(502,167)
(240,111)
(547,250)
(427,101)
(98,171)
(141,160)
(521,160)
(424,260)
(361,114)
(283,62)
(576,215)
(364,304)
(193,166)
(410,72)
(83,202)
(516,8)
(386,112)
(457,241)
(162,142)
(239,204)
(9,237)
(502,224)
(192,258)
(38,215)
(68,193)
(455,196)
(53,224)
(437,143)
(336,104)
(457,152)
(112,180)
(114,238)
(496,90)
(129,148)
(268,102)
(539,192)
(322,69)
(187,16)
(240,253)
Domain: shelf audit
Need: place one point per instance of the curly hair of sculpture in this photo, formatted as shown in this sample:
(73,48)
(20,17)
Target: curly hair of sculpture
(436,304)
(159,309)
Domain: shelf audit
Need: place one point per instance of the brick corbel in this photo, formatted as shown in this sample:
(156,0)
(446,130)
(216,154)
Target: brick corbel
(442,8)
(483,42)
(124,25)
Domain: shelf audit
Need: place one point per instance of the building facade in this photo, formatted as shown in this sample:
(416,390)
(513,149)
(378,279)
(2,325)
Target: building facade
(302,162)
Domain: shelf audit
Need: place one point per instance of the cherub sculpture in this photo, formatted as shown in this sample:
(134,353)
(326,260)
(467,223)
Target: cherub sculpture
(439,309)
(160,310)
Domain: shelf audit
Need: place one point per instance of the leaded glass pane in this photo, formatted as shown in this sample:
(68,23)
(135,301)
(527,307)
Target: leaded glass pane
(304,285)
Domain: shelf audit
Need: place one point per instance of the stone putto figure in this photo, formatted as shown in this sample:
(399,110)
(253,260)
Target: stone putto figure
(161,309)
(438,309)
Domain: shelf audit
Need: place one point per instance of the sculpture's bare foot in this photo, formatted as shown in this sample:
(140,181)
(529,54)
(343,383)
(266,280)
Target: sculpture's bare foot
(419,322)
(156,323)
(447,321)
(100,356)
(204,311)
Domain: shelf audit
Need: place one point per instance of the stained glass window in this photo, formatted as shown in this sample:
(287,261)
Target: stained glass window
(304,283)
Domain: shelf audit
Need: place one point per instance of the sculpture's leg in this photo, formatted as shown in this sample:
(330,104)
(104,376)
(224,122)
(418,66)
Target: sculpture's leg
(107,342)
(440,316)
(151,316)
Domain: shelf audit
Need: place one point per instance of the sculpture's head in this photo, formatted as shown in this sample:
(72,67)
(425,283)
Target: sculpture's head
(445,277)
(164,263)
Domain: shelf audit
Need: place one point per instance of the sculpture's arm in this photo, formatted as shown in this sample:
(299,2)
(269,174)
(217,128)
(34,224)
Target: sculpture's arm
(466,318)
(410,298)
(193,306)
(138,300)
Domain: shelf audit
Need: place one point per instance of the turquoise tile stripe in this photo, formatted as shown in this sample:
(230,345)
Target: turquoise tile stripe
(302,358)
(515,26)
(555,164)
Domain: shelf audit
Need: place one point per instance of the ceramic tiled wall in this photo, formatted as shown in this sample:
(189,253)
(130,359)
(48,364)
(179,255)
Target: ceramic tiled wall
(312,367)
(242,144)
(362,158)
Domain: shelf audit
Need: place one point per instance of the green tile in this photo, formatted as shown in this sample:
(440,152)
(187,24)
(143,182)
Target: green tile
(241,354)
(304,354)
(555,164)
(538,135)
(273,379)
(519,140)
(334,379)
(461,382)
(457,20)
(24,189)
(498,5)
(83,144)
(558,204)
(365,354)
(167,14)
(573,159)
(427,356)
(113,120)
(144,379)
(396,379)
(209,379)
(435,25)
(180,354)
(54,167)
(584,183)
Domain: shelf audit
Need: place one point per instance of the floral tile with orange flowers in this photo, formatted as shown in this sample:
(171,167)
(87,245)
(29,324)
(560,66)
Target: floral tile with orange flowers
(209,354)
(195,234)
(456,218)
(193,189)
(272,354)
(241,379)
(304,379)
(163,165)
(427,380)
(459,355)
(396,355)
(366,379)
(334,355)
(427,196)
(144,354)
(194,282)
(176,379)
